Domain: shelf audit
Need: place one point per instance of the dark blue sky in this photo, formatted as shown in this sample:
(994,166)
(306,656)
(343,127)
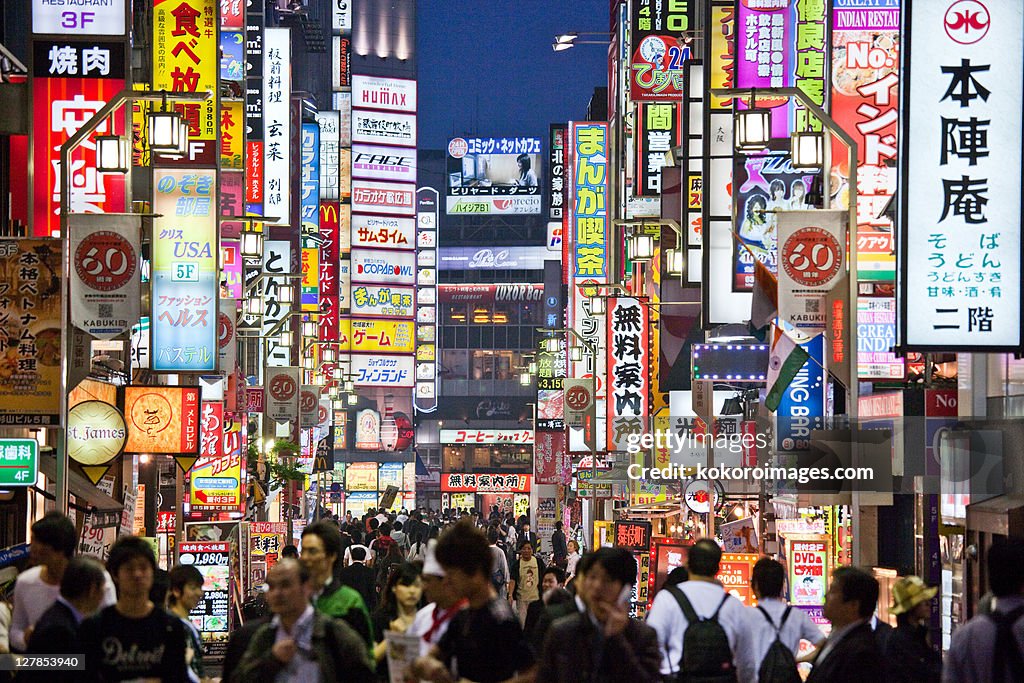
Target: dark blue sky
(487,69)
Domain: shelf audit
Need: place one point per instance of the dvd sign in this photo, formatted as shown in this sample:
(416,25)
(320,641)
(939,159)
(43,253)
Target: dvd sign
(384,267)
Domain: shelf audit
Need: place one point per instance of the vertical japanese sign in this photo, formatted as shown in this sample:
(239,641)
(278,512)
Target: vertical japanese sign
(277,86)
(657,132)
(185,59)
(30,332)
(961,216)
(254,105)
(427,209)
(629,387)
(277,260)
(184,286)
(811,60)
(865,103)
(232,14)
(211,425)
(556,179)
(232,135)
(329,256)
(590,212)
(330,139)
(210,616)
(722,49)
(660,49)
(71,82)
(105,282)
(309,203)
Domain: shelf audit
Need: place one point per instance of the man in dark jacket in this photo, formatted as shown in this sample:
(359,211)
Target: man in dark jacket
(850,653)
(360,577)
(559,550)
(908,654)
(602,644)
(56,632)
(299,641)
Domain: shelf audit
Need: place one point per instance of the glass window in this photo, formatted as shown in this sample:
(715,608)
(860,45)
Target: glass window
(454,364)
(454,459)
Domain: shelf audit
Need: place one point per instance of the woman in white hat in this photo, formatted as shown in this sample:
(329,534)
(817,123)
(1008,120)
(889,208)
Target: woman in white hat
(908,652)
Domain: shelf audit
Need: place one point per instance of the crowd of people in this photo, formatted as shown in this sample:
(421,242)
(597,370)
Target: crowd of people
(482,604)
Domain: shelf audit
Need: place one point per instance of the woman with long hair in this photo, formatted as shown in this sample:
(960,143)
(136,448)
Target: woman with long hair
(399,602)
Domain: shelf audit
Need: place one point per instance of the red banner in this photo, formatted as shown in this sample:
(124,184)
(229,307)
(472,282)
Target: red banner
(485,483)
(552,462)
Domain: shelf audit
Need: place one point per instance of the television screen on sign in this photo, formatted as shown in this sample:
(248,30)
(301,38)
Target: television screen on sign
(494,175)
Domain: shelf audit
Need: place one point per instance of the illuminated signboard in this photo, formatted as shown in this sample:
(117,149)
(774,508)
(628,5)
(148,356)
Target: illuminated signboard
(384,163)
(185,286)
(387,232)
(809,569)
(487,258)
(382,300)
(377,127)
(330,139)
(658,131)
(633,535)
(487,436)
(486,483)
(379,336)
(277,163)
(162,419)
(876,337)
(383,267)
(309,216)
(387,94)
(79,19)
(494,175)
(370,196)
(383,371)
(629,384)
(659,50)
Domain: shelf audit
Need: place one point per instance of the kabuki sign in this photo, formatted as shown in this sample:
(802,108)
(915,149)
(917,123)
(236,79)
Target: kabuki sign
(812,258)
(960,250)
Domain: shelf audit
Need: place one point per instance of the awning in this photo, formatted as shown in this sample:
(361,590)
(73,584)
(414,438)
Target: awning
(618,474)
(81,488)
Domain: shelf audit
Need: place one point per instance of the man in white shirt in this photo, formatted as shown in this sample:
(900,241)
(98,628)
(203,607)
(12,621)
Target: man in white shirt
(53,543)
(706,595)
(431,622)
(767,581)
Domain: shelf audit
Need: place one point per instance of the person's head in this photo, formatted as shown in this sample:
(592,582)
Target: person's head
(290,551)
(573,547)
(83,584)
(554,577)
(289,588)
(525,526)
(798,189)
(404,588)
(557,596)
(912,600)
(777,189)
(358,554)
(185,587)
(463,552)
(321,546)
(1006,567)
(385,529)
(756,206)
(398,526)
(677,576)
(703,558)
(610,570)
(767,578)
(852,596)
(558,525)
(53,539)
(374,523)
(526,551)
(492,535)
(523,160)
(131,564)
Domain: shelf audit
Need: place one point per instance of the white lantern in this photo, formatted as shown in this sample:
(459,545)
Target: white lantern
(674,261)
(597,305)
(164,131)
(552,344)
(641,247)
(252,244)
(808,150)
(752,129)
(576,353)
(112,154)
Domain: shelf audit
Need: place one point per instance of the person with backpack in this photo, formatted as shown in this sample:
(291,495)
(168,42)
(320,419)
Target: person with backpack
(777,628)
(990,647)
(703,632)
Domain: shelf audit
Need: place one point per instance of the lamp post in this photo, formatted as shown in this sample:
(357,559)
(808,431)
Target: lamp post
(800,145)
(69,146)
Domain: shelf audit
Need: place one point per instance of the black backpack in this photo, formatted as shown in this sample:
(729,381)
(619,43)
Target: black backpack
(1007,652)
(707,657)
(779,664)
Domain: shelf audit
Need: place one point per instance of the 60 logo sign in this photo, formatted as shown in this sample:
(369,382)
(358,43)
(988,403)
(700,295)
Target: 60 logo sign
(105,287)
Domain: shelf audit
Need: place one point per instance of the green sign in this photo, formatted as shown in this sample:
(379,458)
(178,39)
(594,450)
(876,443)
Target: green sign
(19,462)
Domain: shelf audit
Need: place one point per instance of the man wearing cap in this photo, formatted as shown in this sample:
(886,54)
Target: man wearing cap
(432,621)
(908,653)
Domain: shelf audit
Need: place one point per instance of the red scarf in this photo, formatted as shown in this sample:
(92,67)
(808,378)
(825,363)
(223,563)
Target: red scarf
(440,617)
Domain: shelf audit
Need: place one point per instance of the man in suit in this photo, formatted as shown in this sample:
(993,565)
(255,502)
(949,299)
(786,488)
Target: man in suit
(360,577)
(850,653)
(56,632)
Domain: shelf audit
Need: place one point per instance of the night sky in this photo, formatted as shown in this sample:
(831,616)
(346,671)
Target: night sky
(487,68)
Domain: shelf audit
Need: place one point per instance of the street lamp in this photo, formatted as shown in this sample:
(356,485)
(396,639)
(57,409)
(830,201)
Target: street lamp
(254,306)
(310,328)
(641,246)
(165,128)
(284,296)
(552,344)
(752,128)
(112,153)
(576,354)
(674,261)
(597,307)
(525,378)
(807,150)
(252,244)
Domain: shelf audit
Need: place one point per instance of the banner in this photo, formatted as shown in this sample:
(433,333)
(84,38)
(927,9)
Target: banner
(657,132)
(551,460)
(217,484)
(378,336)
(105,281)
(388,94)
(383,300)
(185,286)
(162,419)
(282,399)
(487,170)
(388,232)
(277,86)
(629,385)
(660,49)
(383,371)
(30,348)
(961,215)
(232,134)
(812,255)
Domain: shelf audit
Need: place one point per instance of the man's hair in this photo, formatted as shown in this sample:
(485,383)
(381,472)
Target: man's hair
(358,553)
(398,526)
(618,563)
(492,535)
(768,577)
(180,576)
(557,571)
(857,584)
(1006,567)
(374,523)
(328,535)
(80,576)
(464,547)
(289,551)
(128,548)
(585,563)
(704,557)
(385,529)
(57,531)
(558,525)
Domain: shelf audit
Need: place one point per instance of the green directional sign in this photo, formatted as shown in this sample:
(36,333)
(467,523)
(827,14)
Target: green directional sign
(19,462)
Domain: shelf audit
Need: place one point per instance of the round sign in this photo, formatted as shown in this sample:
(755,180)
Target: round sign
(577,397)
(967,21)
(96,433)
(151,413)
(225,330)
(308,401)
(458,148)
(697,496)
(321,414)
(812,257)
(282,387)
(105,261)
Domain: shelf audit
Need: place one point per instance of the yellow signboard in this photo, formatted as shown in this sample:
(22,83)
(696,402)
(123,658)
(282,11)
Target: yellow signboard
(378,336)
(232,134)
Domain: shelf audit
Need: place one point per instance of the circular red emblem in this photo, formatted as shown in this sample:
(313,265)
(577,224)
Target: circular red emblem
(967,21)
(577,397)
(105,261)
(812,257)
(225,330)
(282,387)
(457,148)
